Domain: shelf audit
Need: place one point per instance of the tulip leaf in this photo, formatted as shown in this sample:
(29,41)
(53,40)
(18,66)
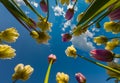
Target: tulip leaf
(117,5)
(95,9)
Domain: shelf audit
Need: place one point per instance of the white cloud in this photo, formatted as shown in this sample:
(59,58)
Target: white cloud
(82,42)
(58,11)
(66,24)
(27,12)
(34,3)
(21,2)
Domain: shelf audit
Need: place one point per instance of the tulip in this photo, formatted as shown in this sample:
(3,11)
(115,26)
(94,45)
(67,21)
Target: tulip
(102,55)
(9,35)
(62,77)
(71,51)
(80,78)
(69,14)
(66,37)
(115,15)
(22,72)
(51,57)
(6,52)
(43,6)
(51,60)
(100,39)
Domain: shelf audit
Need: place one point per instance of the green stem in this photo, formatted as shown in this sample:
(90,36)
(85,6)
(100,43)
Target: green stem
(15,15)
(20,10)
(47,11)
(99,64)
(74,4)
(28,4)
(113,37)
(14,81)
(116,81)
(117,56)
(56,2)
(97,20)
(48,72)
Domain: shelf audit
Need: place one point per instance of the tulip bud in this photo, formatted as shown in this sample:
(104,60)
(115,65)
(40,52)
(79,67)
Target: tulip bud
(102,55)
(115,15)
(80,78)
(69,14)
(51,57)
(66,37)
(43,6)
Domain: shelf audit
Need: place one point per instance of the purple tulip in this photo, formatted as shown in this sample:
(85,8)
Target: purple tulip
(115,15)
(80,78)
(66,37)
(102,55)
(43,6)
(69,14)
(51,57)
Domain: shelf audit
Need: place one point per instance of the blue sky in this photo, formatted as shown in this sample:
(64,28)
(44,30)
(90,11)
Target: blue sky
(29,52)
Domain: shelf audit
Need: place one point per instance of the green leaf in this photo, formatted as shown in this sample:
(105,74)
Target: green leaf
(95,9)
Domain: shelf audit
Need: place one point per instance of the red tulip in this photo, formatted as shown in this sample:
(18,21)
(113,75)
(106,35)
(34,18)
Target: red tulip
(66,37)
(80,78)
(69,14)
(43,6)
(102,55)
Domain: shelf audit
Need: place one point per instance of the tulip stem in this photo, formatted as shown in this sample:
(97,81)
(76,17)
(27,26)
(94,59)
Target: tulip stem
(116,81)
(56,2)
(113,37)
(97,20)
(14,81)
(99,64)
(117,56)
(28,4)
(13,13)
(74,4)
(47,11)
(48,71)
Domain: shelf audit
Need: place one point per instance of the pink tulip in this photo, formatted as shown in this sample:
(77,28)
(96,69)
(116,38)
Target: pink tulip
(102,55)
(115,15)
(66,37)
(80,78)
(43,6)
(69,14)
(51,57)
